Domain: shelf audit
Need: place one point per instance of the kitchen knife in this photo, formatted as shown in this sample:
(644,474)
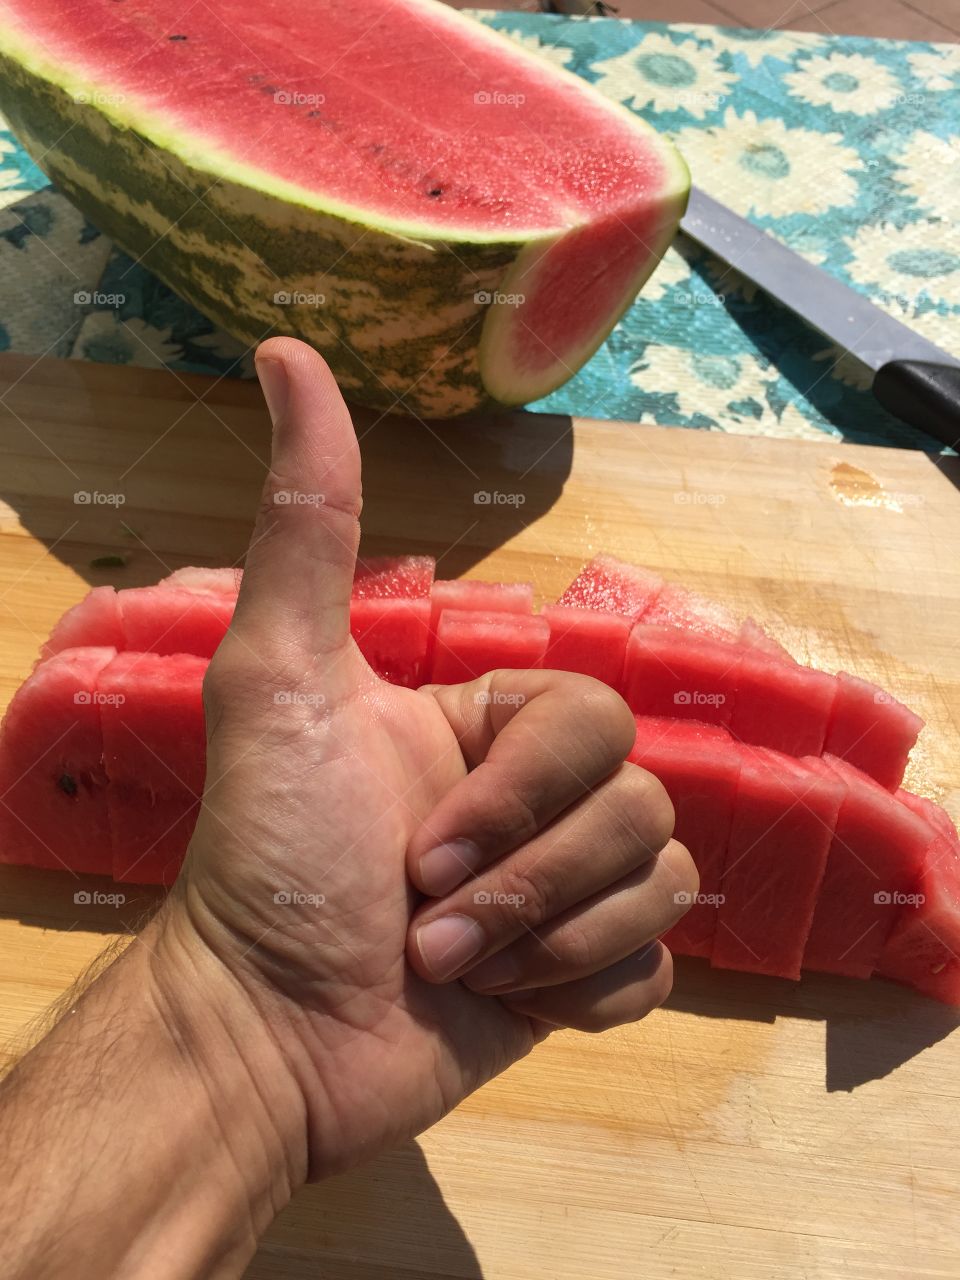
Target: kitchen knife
(913,378)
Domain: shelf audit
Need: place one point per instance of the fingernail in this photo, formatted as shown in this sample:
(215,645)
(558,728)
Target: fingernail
(447,865)
(275,384)
(448,943)
(499,971)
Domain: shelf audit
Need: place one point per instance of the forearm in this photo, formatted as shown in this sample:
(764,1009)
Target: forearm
(151,1133)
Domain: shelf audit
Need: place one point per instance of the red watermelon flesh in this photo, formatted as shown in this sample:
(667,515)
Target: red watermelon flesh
(471,643)
(781,704)
(698,765)
(872,730)
(219,581)
(169,619)
(94,621)
(612,585)
(404,577)
(753,636)
(875,860)
(478,597)
(783,823)
(154,753)
(53,787)
(923,949)
(669,672)
(591,642)
(393,635)
(675,606)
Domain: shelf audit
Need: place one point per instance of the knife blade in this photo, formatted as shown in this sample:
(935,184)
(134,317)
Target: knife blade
(913,378)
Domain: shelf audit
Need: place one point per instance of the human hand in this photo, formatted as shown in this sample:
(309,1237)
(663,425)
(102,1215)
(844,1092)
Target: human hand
(328,794)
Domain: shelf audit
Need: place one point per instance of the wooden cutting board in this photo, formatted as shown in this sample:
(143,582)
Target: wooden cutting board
(753,1128)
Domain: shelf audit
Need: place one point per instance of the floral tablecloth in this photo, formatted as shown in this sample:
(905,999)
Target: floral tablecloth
(848,148)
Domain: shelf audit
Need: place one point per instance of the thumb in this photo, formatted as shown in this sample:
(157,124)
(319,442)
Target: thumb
(295,595)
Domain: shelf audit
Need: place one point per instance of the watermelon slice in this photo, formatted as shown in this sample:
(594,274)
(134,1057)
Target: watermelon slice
(781,704)
(171,619)
(669,672)
(874,864)
(393,634)
(477,597)
(470,643)
(393,182)
(154,748)
(591,642)
(94,621)
(675,606)
(871,729)
(699,767)
(753,636)
(53,787)
(612,585)
(783,824)
(923,949)
(394,577)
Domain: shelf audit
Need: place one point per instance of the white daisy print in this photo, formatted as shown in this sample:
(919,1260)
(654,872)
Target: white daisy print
(723,388)
(754,46)
(929,168)
(764,167)
(906,264)
(934,70)
(845,82)
(151,347)
(791,425)
(665,76)
(556,53)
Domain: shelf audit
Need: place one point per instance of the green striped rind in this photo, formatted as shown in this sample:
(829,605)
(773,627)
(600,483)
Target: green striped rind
(399,324)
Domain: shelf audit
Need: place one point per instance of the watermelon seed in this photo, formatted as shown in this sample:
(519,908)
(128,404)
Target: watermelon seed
(67,784)
(436,191)
(176,37)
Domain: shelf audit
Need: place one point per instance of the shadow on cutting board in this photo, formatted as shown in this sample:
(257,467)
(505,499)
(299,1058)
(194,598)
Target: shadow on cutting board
(872,1028)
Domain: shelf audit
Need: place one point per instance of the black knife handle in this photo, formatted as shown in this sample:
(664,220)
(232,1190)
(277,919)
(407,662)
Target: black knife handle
(924,394)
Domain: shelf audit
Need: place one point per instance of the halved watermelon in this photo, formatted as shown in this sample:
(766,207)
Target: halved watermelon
(874,866)
(872,729)
(53,786)
(394,577)
(446,216)
(923,949)
(613,585)
(471,643)
(589,641)
(699,766)
(669,672)
(154,748)
(783,823)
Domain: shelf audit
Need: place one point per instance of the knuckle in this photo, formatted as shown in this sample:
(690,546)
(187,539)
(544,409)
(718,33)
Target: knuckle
(526,896)
(576,949)
(610,716)
(649,809)
(681,877)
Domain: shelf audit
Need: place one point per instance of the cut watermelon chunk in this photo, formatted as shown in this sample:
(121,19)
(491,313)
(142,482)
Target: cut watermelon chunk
(591,642)
(469,644)
(781,704)
(698,765)
(395,577)
(923,949)
(171,619)
(219,581)
(155,757)
(872,730)
(669,672)
(94,621)
(393,183)
(874,863)
(753,636)
(53,788)
(675,606)
(393,635)
(783,824)
(477,597)
(612,585)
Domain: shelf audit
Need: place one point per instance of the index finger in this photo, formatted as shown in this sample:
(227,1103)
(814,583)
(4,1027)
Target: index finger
(535,742)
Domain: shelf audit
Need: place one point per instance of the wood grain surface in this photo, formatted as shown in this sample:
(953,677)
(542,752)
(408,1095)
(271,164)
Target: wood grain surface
(752,1128)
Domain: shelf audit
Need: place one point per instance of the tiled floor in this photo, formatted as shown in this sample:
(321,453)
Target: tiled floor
(898,19)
